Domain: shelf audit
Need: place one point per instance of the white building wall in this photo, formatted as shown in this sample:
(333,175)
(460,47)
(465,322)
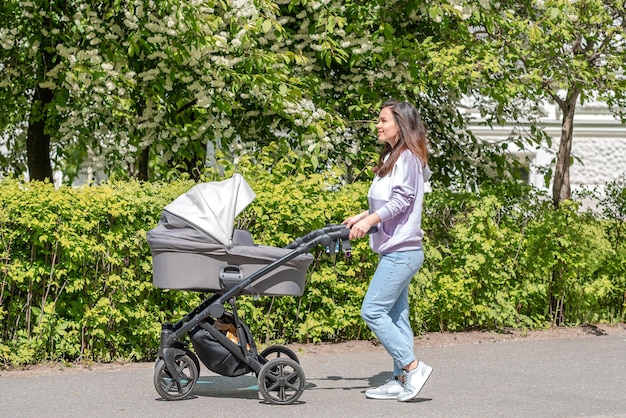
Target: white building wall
(598,146)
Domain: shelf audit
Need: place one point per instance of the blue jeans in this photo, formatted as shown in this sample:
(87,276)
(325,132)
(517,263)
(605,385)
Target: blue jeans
(385,308)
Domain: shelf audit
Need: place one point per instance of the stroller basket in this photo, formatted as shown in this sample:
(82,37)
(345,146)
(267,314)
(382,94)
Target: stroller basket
(215,356)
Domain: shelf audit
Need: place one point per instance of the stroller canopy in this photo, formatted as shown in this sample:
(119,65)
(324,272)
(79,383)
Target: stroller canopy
(212,207)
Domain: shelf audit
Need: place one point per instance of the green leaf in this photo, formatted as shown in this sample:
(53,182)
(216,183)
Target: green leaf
(267,25)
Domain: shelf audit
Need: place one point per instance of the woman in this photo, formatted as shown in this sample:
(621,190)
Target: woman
(395,205)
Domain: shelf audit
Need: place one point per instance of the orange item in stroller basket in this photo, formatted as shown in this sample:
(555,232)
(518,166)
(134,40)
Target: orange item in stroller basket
(229,331)
(195,247)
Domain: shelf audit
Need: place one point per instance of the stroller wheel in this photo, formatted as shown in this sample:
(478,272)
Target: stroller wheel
(167,386)
(281,381)
(277,351)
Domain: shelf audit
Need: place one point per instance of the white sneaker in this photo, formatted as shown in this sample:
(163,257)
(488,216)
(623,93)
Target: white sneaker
(390,390)
(414,381)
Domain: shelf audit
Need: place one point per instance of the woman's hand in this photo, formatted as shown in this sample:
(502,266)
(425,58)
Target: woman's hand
(360,224)
(354,219)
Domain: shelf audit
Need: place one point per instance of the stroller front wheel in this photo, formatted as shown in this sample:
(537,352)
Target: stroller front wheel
(281,381)
(168,386)
(277,351)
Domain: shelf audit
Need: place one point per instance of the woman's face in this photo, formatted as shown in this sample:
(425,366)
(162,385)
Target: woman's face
(387,127)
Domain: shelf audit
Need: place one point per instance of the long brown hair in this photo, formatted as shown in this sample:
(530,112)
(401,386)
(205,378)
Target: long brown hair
(411,136)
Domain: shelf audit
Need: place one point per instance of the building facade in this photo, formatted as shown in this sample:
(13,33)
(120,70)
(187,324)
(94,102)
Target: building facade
(598,146)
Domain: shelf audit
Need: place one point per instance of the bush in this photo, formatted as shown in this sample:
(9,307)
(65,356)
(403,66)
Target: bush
(505,258)
(76,272)
(75,282)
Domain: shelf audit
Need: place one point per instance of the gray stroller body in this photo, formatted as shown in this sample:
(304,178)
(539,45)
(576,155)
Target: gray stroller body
(195,247)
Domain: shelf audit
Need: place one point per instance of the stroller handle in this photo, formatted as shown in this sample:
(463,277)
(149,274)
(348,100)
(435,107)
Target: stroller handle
(325,236)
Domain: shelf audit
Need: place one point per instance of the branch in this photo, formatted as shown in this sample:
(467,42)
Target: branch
(186,106)
(553,95)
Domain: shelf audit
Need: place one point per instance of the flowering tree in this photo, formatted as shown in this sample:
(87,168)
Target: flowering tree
(145,87)
(124,82)
(362,53)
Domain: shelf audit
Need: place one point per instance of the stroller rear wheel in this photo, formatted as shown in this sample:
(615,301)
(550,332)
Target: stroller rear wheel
(167,386)
(281,381)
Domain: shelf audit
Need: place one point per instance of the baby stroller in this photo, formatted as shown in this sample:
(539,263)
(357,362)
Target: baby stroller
(195,247)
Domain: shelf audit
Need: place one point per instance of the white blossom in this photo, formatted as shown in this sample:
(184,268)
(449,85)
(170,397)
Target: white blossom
(244,8)
(48,85)
(156,39)
(96,59)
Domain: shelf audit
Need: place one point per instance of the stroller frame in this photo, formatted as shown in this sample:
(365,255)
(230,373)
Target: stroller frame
(281,379)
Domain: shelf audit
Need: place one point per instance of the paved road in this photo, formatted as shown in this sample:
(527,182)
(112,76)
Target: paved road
(578,376)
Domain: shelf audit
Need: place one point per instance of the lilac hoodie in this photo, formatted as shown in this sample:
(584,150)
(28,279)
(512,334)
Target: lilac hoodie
(397,199)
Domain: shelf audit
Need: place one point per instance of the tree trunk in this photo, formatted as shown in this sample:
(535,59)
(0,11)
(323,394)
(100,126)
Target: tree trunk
(561,191)
(38,140)
(144,158)
(561,186)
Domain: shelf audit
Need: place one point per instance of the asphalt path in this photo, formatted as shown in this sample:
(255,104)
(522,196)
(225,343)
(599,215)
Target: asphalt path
(583,375)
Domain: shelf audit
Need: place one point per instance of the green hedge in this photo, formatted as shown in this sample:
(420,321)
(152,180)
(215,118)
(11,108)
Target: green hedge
(75,280)
(76,272)
(505,258)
